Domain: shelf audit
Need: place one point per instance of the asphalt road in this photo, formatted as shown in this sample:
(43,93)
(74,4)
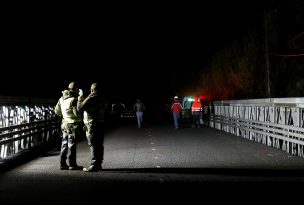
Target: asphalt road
(157,163)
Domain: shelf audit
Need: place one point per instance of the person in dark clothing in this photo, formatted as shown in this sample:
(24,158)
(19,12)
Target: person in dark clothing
(139,108)
(93,108)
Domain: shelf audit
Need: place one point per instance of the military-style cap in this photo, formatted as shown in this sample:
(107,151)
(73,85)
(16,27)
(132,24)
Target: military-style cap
(73,86)
(95,87)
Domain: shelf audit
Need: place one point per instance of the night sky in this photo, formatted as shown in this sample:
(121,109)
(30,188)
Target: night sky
(132,51)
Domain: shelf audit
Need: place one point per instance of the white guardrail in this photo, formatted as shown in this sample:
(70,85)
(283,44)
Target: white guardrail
(276,122)
(25,123)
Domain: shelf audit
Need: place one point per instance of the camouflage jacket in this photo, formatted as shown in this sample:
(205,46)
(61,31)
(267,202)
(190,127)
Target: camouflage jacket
(93,108)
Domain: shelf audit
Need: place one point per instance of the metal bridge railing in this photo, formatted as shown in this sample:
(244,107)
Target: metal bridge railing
(26,123)
(276,122)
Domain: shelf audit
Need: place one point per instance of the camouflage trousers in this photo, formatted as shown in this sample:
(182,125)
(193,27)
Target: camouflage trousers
(95,137)
(70,134)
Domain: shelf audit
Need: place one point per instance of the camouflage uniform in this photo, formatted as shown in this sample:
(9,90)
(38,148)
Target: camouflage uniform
(66,108)
(93,109)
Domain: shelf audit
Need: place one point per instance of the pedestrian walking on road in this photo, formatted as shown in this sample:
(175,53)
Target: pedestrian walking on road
(139,108)
(176,111)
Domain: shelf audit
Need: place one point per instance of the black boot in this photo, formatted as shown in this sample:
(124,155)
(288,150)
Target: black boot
(92,168)
(74,166)
(64,166)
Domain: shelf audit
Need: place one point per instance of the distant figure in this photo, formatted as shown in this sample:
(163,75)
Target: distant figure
(196,109)
(66,108)
(139,108)
(176,110)
(93,108)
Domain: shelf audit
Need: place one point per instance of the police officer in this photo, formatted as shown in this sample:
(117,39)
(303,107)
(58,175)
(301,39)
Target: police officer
(93,108)
(66,108)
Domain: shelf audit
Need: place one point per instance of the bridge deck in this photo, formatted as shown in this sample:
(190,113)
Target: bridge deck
(158,161)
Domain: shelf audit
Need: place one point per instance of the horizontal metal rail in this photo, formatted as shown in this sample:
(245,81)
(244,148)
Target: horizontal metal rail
(276,122)
(26,123)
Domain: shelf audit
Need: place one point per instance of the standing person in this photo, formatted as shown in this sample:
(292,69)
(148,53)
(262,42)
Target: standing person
(66,108)
(93,108)
(196,110)
(176,110)
(139,108)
